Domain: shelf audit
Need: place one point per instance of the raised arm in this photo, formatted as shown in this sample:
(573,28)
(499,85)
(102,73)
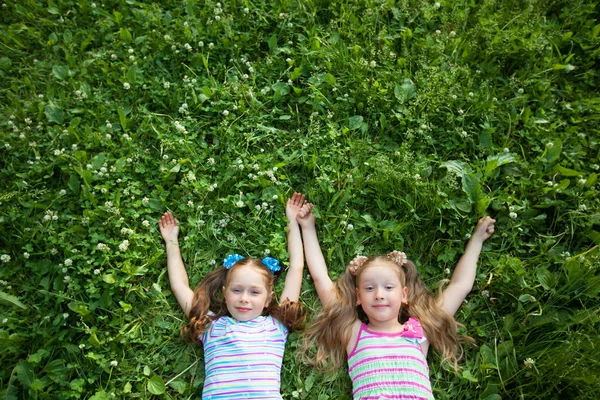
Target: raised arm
(314,256)
(293,279)
(178,278)
(463,276)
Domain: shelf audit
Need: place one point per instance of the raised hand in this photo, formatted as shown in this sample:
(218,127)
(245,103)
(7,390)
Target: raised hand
(305,216)
(169,227)
(294,205)
(485,228)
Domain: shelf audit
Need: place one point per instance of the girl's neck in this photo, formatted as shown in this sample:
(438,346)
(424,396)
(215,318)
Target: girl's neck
(385,327)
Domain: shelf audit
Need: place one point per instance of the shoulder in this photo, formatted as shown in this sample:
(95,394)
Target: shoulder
(357,327)
(277,324)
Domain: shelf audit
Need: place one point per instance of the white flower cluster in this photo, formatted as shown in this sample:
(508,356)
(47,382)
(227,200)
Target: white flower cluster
(50,215)
(212,187)
(103,247)
(180,127)
(124,245)
(68,262)
(126,231)
(5,258)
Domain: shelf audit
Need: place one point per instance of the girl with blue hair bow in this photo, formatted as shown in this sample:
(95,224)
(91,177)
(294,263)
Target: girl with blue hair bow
(234,316)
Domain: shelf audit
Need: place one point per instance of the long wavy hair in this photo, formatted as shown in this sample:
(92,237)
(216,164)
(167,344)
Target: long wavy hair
(331,329)
(208,303)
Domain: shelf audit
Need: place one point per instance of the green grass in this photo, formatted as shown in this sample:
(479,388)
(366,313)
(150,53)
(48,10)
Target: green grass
(403,121)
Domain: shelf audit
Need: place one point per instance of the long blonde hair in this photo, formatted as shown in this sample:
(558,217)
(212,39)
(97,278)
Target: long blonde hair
(208,303)
(331,329)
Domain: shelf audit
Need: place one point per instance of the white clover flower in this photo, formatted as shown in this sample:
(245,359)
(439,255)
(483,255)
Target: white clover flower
(65,315)
(239,203)
(145,200)
(464,134)
(126,86)
(54,252)
(225,112)
(113,56)
(67,279)
(452,33)
(5,320)
(520,91)
(211,45)
(103,247)
(373,64)
(68,262)
(513,215)
(124,245)
(82,345)
(506,150)
(5,258)
(461,111)
(471,94)
(417,177)
(26,255)
(549,145)
(113,363)
(211,160)
(529,363)
(96,271)
(485,293)
(582,181)
(146,223)
(350,227)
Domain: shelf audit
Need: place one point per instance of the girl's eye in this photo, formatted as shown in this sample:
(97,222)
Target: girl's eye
(255,292)
(369,288)
(236,290)
(389,287)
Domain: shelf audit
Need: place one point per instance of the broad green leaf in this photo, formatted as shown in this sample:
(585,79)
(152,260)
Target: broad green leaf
(546,278)
(156,385)
(472,187)
(80,308)
(54,114)
(24,373)
(525,298)
(60,72)
(125,35)
(458,167)
(109,278)
(131,74)
(405,91)
(122,119)
(100,395)
(125,306)
(496,161)
(355,122)
(272,42)
(9,299)
(552,153)
(567,171)
(468,376)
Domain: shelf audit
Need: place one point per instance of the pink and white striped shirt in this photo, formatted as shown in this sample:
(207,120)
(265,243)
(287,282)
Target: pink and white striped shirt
(242,359)
(390,365)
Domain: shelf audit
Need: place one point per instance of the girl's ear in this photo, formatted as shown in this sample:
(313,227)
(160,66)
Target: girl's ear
(405,295)
(357,297)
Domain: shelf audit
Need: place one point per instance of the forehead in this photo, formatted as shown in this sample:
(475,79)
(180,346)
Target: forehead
(247,275)
(380,272)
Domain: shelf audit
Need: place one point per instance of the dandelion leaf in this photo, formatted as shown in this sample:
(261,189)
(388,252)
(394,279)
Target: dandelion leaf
(9,299)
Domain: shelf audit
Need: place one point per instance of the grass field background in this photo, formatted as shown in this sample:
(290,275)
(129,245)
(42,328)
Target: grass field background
(403,121)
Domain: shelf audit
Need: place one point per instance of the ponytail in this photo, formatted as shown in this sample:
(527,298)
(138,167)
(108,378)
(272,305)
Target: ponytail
(208,305)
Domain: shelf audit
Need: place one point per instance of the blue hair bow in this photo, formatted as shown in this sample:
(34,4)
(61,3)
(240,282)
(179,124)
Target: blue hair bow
(271,263)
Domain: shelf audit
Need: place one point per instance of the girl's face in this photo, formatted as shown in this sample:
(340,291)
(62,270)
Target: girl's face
(246,294)
(380,293)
